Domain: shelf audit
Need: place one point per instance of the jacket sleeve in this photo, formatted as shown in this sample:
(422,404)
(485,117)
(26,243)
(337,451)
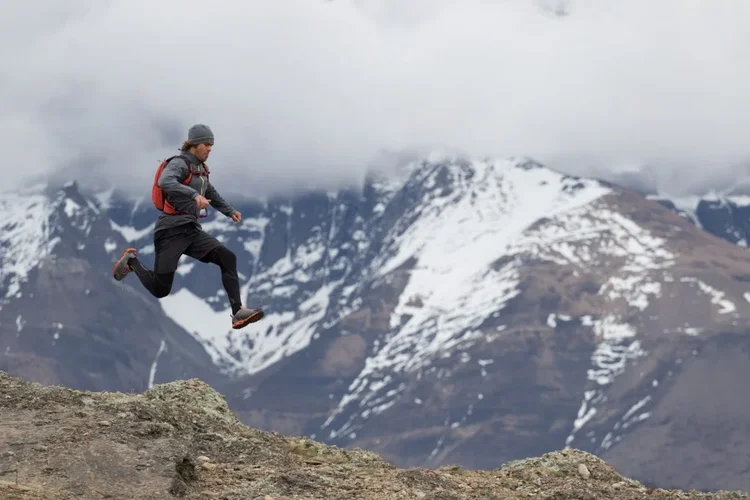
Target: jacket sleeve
(218,202)
(181,197)
(172,177)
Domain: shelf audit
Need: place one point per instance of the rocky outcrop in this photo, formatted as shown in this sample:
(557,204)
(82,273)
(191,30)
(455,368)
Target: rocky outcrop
(181,440)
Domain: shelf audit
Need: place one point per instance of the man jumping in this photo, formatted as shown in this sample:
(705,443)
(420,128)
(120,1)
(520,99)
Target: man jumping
(187,193)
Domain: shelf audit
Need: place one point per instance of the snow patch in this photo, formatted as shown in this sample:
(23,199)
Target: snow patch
(109,245)
(25,237)
(184,268)
(628,420)
(152,372)
(256,346)
(71,208)
(717,296)
(551,321)
(130,233)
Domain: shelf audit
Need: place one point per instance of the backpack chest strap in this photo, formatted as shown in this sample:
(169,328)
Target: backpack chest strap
(195,170)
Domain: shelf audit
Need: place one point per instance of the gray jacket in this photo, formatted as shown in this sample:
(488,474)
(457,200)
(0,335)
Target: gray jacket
(182,196)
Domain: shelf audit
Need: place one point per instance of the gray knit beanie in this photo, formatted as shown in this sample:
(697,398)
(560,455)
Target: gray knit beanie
(200,134)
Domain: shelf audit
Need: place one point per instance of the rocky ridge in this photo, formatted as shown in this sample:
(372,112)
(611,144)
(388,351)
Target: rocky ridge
(180,440)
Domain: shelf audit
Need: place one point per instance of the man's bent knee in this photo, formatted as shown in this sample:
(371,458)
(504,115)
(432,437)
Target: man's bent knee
(230,257)
(162,285)
(223,257)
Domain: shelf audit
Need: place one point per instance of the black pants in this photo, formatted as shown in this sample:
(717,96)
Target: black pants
(171,244)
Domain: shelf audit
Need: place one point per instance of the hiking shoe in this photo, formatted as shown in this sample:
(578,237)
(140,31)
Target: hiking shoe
(121,267)
(245,316)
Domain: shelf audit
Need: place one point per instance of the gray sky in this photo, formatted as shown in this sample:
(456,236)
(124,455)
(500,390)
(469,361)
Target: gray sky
(311,90)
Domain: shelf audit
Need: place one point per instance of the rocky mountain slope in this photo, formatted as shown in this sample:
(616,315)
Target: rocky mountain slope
(180,440)
(460,312)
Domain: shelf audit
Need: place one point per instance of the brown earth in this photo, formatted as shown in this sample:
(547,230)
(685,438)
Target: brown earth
(180,440)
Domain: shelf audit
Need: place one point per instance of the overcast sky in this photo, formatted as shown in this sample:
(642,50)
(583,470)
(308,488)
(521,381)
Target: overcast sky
(312,90)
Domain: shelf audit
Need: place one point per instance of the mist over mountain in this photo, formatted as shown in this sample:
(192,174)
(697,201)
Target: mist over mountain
(310,92)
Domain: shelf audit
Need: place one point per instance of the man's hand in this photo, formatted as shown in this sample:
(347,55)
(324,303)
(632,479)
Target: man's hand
(236,216)
(202,202)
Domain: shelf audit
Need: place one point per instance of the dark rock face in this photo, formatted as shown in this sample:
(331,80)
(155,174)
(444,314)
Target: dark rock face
(728,218)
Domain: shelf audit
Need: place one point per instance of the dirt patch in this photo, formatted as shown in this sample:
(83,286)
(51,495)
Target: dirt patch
(344,356)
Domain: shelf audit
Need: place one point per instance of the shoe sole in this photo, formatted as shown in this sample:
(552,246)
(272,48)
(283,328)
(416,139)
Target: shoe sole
(119,261)
(256,316)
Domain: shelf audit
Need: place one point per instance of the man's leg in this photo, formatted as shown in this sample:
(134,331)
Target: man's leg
(169,246)
(159,284)
(227,262)
(208,249)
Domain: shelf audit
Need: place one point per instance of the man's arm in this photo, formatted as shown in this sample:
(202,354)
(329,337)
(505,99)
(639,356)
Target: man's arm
(218,202)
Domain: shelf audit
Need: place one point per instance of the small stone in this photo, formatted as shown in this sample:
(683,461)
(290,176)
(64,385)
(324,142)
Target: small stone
(179,487)
(208,466)
(583,471)
(202,459)
(304,449)
(105,423)
(619,485)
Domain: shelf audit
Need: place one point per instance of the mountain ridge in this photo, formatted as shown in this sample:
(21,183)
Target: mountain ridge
(492,304)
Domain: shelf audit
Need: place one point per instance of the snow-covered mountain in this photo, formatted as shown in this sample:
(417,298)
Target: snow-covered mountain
(461,311)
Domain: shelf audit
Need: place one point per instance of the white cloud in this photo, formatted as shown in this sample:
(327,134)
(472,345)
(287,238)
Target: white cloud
(302,90)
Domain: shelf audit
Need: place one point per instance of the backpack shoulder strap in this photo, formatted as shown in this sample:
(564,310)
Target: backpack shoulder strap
(191,167)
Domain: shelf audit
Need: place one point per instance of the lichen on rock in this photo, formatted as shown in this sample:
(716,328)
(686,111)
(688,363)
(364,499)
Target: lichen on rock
(194,394)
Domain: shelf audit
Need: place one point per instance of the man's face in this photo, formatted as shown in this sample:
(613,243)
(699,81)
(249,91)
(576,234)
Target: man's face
(202,151)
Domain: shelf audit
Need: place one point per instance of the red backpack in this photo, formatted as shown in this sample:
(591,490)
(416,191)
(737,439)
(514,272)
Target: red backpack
(157,193)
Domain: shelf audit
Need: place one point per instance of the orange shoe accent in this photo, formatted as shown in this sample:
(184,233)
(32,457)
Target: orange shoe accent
(256,316)
(127,251)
